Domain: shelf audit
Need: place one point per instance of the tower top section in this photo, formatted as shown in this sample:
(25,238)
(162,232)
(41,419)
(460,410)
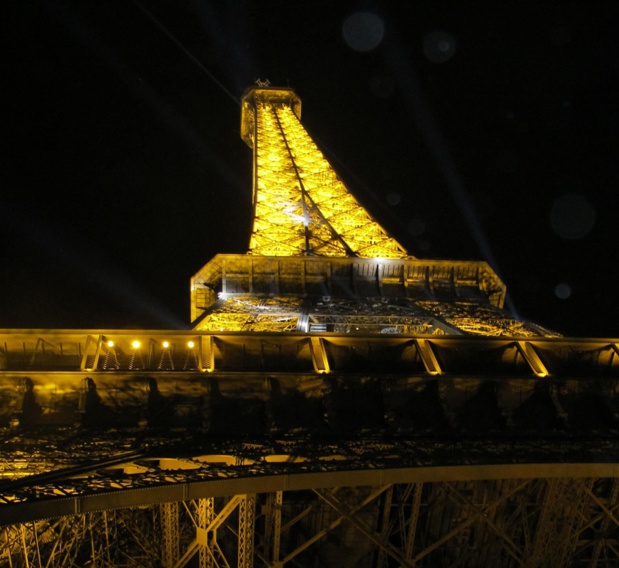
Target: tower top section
(253,96)
(301,207)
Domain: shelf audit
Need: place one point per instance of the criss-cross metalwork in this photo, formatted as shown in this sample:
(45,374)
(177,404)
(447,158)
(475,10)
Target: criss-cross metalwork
(301,207)
(337,402)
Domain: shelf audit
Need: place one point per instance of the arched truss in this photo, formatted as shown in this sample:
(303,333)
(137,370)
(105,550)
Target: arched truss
(508,515)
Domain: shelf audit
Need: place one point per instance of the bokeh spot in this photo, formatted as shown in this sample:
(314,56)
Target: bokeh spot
(416,227)
(363,31)
(393,198)
(563,291)
(439,46)
(572,216)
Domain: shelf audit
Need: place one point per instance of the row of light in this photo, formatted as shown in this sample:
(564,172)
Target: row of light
(136,344)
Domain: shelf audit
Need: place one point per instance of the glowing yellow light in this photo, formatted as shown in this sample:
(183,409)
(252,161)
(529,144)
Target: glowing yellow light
(110,344)
(135,344)
(296,189)
(191,344)
(166,344)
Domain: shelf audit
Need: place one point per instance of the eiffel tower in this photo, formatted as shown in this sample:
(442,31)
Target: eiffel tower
(337,402)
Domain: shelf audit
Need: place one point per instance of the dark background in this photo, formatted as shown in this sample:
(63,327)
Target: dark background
(470,130)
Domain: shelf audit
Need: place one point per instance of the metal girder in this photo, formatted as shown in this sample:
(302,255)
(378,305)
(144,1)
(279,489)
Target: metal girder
(466,523)
(609,517)
(207,353)
(277,525)
(247,507)
(400,459)
(559,522)
(383,545)
(485,518)
(273,528)
(206,524)
(385,528)
(225,512)
(206,512)
(201,512)
(90,539)
(331,526)
(428,357)
(169,534)
(511,523)
(533,359)
(417,490)
(400,517)
(71,355)
(319,355)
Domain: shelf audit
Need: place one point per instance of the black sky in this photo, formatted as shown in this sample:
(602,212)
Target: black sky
(471,130)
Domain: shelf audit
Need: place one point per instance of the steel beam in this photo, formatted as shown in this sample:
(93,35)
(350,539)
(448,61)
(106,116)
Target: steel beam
(559,522)
(206,512)
(413,520)
(362,527)
(326,530)
(385,529)
(319,355)
(169,534)
(430,362)
(466,523)
(609,516)
(532,358)
(247,507)
(273,528)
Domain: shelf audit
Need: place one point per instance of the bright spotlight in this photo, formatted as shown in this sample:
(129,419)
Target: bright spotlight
(191,344)
(110,343)
(166,344)
(136,344)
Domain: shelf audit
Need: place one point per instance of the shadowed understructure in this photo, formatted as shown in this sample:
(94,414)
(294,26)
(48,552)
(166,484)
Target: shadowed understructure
(337,402)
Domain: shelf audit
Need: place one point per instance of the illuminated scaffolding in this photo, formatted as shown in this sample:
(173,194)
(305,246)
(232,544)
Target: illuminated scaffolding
(337,402)
(301,207)
(540,521)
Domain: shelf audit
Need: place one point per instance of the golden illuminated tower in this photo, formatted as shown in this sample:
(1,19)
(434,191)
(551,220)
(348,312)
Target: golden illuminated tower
(301,207)
(337,402)
(317,261)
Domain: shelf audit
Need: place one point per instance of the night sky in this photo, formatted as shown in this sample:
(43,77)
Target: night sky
(470,130)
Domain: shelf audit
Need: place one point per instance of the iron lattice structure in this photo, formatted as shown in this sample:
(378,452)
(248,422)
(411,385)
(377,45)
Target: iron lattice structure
(338,402)
(301,207)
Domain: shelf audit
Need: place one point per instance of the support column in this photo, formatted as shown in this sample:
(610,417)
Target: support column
(169,534)
(383,559)
(247,508)
(559,522)
(206,513)
(273,528)
(412,522)
(610,516)
(277,526)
